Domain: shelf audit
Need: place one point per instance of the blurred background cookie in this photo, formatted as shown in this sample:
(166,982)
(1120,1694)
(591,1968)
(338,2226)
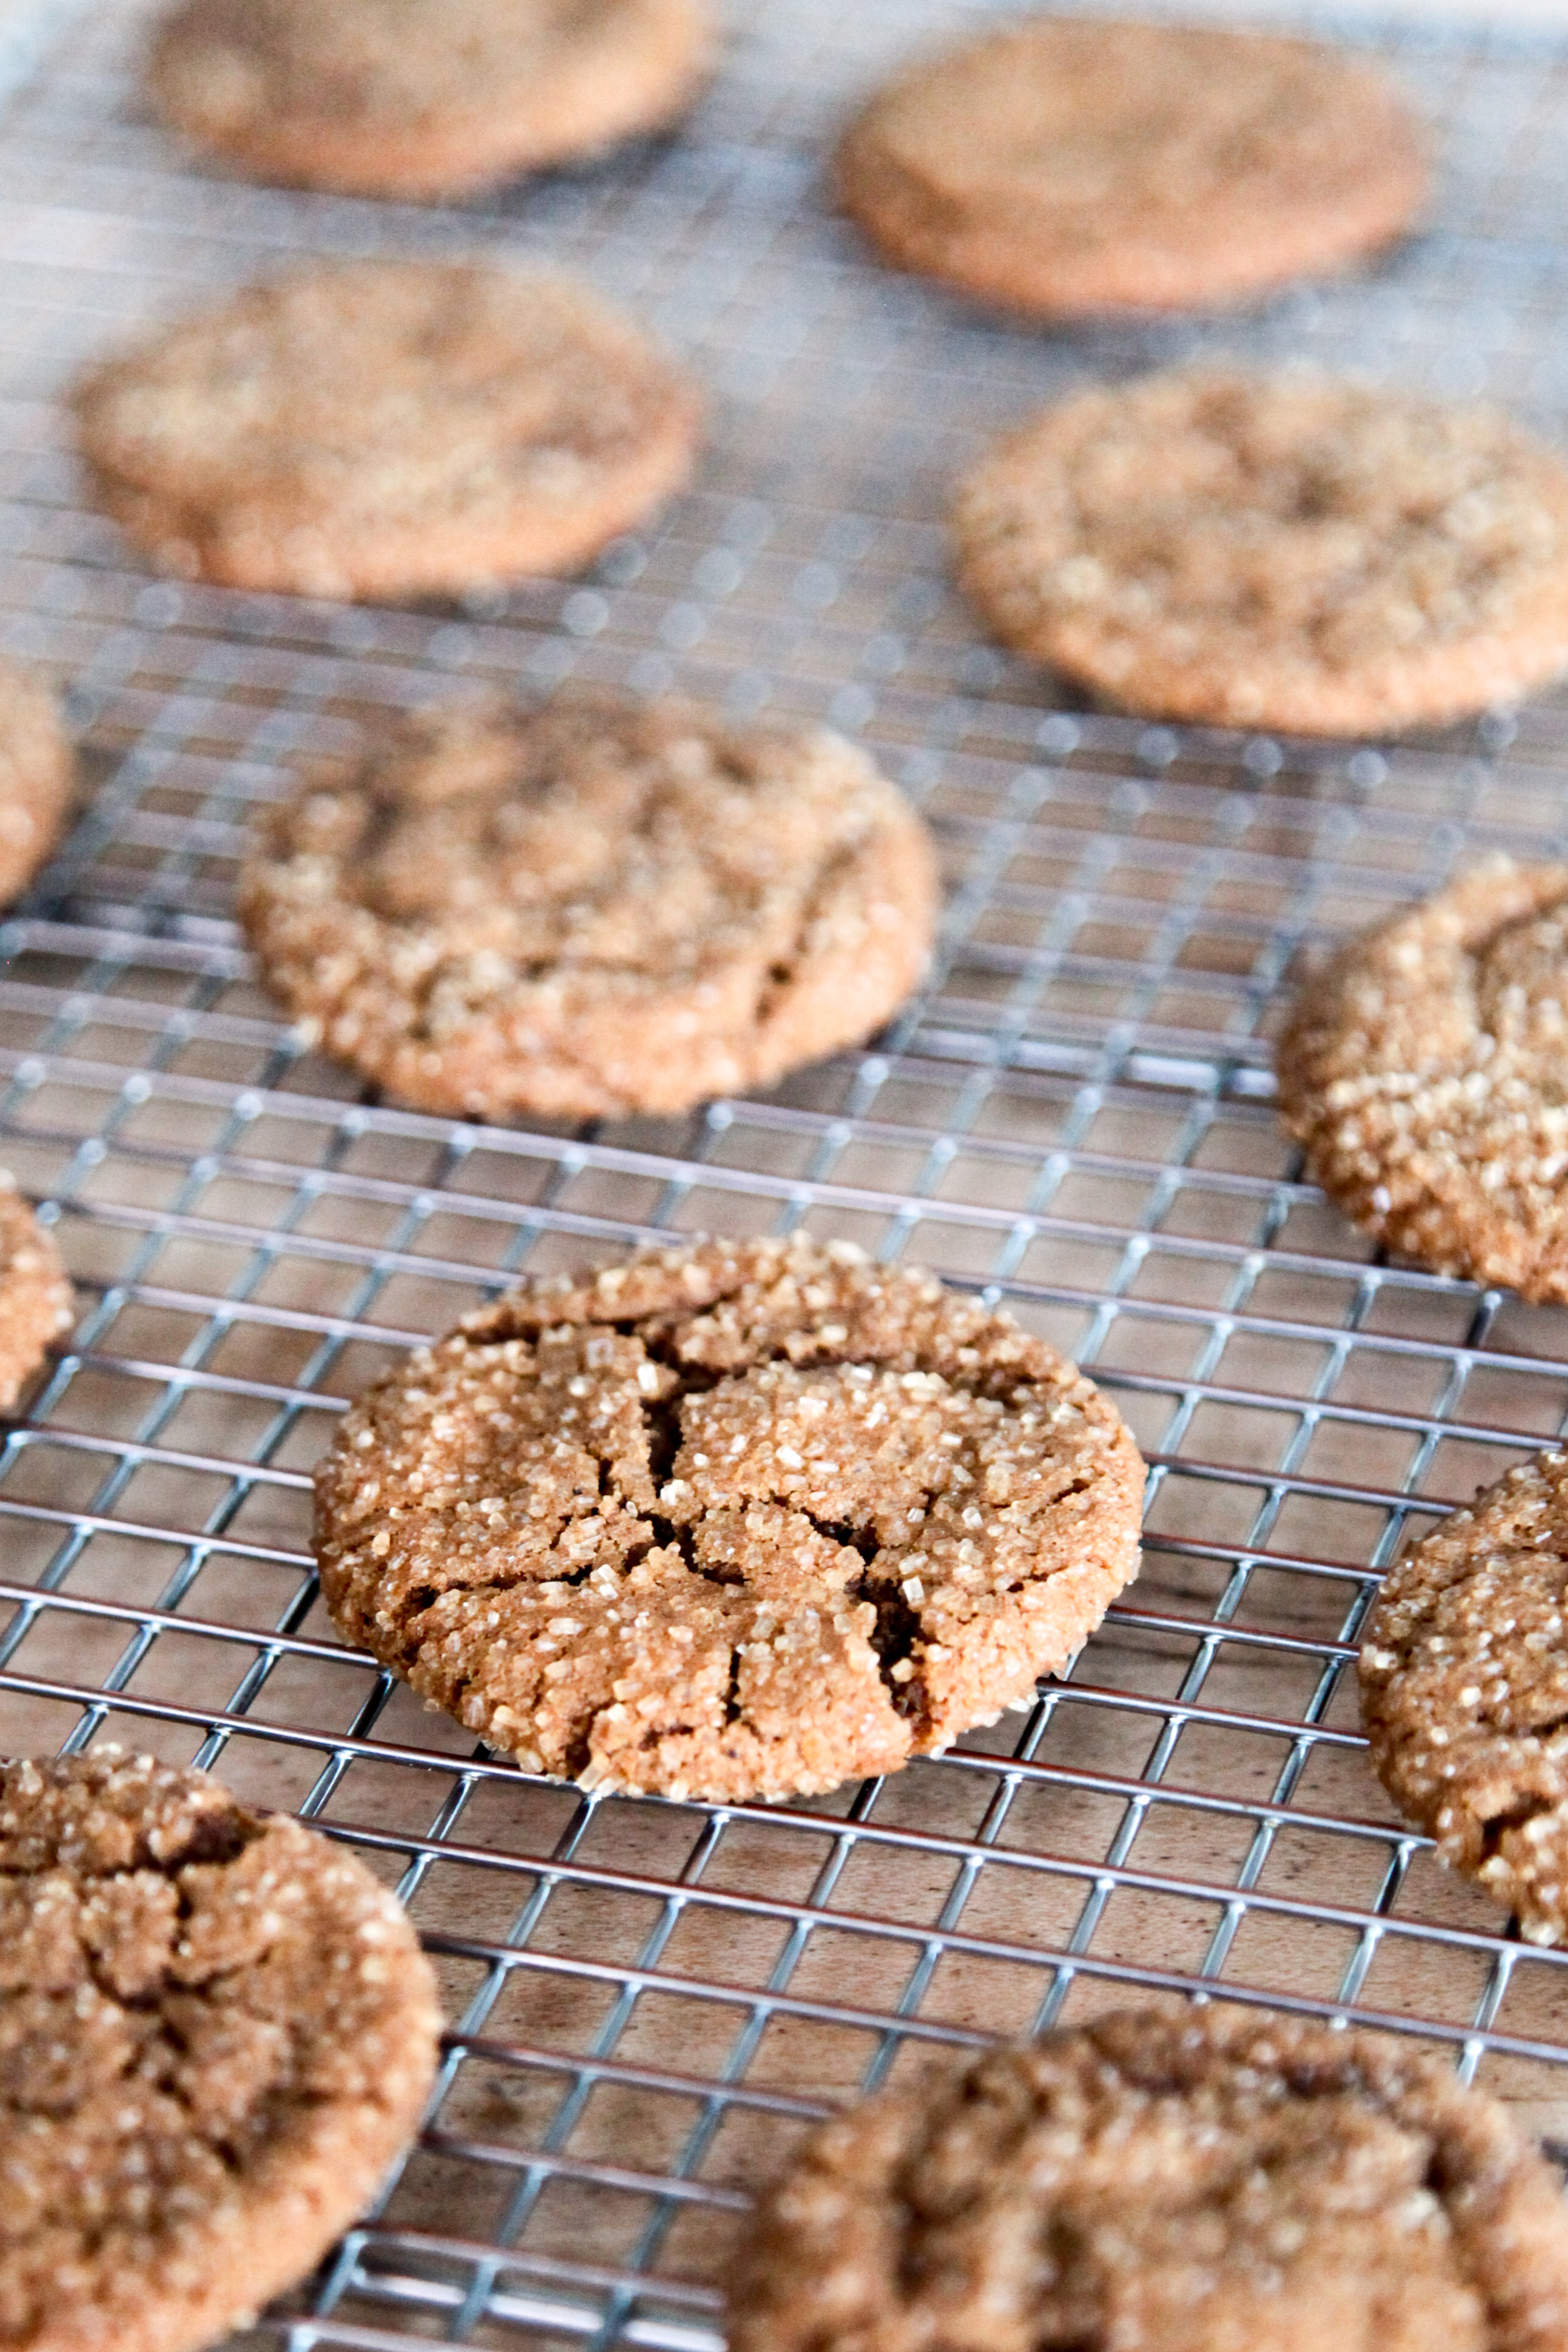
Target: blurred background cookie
(387,429)
(1274,550)
(422,97)
(37,772)
(35,1303)
(1195,2180)
(602,907)
(1066,166)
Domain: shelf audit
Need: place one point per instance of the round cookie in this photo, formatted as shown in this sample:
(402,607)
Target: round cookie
(597,908)
(422,97)
(1422,1071)
(1194,2183)
(387,429)
(216,2030)
(1464,1692)
(1274,550)
(743,1519)
(1061,166)
(36,1304)
(37,774)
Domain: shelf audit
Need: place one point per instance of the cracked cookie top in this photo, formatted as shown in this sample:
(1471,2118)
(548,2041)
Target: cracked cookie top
(1188,2183)
(741,1518)
(1056,167)
(1423,1069)
(1283,551)
(1464,1690)
(599,906)
(216,2030)
(387,429)
(422,97)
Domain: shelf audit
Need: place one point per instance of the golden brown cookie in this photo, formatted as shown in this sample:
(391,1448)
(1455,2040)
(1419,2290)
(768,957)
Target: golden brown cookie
(603,907)
(1206,2183)
(1063,165)
(1274,550)
(422,97)
(743,1519)
(37,774)
(35,1303)
(1464,1692)
(387,429)
(216,2030)
(1422,1071)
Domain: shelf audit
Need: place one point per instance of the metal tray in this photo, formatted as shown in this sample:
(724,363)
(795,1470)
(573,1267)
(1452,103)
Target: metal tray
(649,2000)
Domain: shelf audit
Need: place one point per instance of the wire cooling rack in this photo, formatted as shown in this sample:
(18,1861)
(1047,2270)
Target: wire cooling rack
(648,2001)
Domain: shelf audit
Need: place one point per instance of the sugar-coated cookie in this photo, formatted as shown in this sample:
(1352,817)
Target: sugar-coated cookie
(422,97)
(1178,2183)
(1283,550)
(217,2031)
(36,1304)
(1464,1690)
(1068,164)
(37,772)
(735,1520)
(387,429)
(600,906)
(1422,1069)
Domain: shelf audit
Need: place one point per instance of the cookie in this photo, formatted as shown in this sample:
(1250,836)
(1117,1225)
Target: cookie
(1464,1692)
(1422,1071)
(422,97)
(603,907)
(1061,166)
(1283,551)
(737,1519)
(37,774)
(387,429)
(1201,2183)
(35,1303)
(216,2030)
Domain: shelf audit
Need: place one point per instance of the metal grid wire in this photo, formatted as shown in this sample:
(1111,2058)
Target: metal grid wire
(648,2000)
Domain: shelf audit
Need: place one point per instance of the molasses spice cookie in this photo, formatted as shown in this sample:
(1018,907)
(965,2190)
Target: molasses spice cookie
(1065,166)
(738,1520)
(1423,1070)
(34,1294)
(422,97)
(36,773)
(1289,551)
(1463,1689)
(602,907)
(387,429)
(216,2030)
(1156,2183)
